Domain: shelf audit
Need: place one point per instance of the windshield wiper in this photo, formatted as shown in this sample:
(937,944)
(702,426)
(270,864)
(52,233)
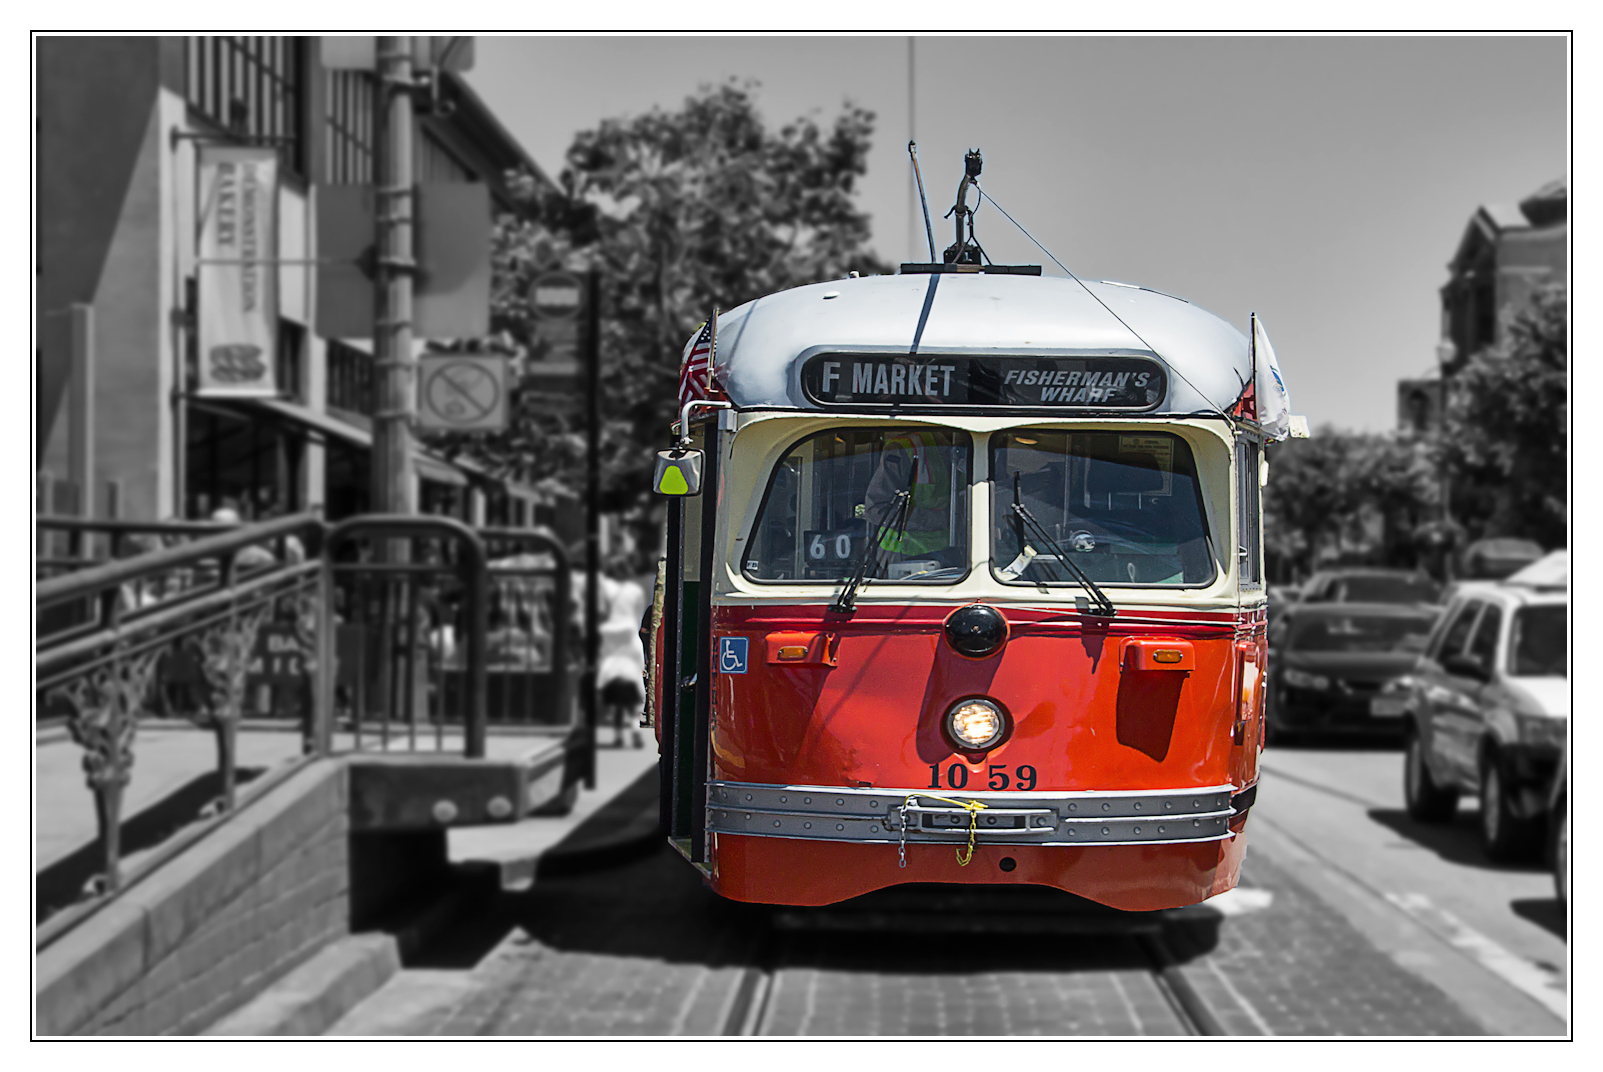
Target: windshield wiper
(1101,604)
(893,527)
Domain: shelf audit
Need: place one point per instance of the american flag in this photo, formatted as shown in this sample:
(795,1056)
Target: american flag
(695,371)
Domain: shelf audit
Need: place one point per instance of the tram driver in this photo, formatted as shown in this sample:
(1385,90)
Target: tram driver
(921,462)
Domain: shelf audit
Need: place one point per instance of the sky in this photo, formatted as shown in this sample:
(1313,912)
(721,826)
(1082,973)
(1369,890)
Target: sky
(1322,182)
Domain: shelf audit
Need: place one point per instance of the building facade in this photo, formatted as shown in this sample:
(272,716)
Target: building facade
(1506,253)
(121,431)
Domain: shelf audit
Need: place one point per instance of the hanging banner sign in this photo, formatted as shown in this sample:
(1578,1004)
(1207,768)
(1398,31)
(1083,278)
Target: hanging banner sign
(238,271)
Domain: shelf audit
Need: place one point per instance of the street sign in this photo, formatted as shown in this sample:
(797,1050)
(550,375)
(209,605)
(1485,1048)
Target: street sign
(556,299)
(462,392)
(556,296)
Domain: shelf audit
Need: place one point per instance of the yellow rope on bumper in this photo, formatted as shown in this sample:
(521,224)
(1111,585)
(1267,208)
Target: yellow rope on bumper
(973,807)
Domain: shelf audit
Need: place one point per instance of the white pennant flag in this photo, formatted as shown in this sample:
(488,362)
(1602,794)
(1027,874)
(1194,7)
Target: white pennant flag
(1274,402)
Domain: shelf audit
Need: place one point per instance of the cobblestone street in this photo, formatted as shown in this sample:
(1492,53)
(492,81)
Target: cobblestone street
(645,950)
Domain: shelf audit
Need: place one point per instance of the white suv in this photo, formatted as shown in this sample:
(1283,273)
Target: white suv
(1488,711)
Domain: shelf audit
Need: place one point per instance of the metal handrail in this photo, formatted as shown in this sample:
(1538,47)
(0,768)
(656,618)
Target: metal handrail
(543,539)
(126,631)
(399,527)
(226,545)
(106,671)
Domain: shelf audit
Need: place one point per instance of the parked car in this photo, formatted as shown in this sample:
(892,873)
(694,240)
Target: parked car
(1280,597)
(1328,664)
(1498,557)
(1488,713)
(1558,821)
(1359,585)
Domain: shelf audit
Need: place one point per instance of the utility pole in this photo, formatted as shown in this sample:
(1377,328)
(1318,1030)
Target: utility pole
(393,489)
(592,516)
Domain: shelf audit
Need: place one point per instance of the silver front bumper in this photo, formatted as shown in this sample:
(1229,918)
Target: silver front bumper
(872,816)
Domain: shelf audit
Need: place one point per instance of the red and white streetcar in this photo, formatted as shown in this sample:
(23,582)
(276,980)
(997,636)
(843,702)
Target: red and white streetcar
(964,584)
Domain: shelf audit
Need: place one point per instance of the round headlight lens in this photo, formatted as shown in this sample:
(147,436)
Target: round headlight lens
(976,724)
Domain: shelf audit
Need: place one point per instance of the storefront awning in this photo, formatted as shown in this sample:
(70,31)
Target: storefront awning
(430,468)
(326,427)
(319,424)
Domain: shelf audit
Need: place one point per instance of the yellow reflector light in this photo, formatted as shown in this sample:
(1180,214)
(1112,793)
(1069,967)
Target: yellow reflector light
(793,651)
(673,482)
(976,724)
(1167,655)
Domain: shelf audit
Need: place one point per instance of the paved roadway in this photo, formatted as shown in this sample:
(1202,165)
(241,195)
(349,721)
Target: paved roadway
(1344,806)
(1350,921)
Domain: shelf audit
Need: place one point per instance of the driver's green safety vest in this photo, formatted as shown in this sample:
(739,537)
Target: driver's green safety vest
(932,496)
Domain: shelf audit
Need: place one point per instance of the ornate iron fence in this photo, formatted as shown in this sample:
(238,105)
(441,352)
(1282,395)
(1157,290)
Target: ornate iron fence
(147,648)
(372,635)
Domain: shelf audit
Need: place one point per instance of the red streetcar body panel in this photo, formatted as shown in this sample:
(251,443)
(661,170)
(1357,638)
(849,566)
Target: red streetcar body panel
(1085,714)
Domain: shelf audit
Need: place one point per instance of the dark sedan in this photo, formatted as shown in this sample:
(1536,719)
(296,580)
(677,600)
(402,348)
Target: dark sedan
(1355,584)
(1329,661)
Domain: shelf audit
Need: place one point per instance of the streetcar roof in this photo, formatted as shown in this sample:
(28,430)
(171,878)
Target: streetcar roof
(762,344)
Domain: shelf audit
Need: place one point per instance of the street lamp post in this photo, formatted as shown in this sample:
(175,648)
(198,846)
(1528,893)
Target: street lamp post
(393,489)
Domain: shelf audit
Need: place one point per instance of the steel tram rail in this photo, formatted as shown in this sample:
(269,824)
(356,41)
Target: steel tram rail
(750,1010)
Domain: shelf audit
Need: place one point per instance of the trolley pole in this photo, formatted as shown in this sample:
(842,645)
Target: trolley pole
(592,514)
(393,489)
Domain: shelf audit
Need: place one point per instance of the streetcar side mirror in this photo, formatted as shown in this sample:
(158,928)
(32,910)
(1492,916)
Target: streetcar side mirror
(677,473)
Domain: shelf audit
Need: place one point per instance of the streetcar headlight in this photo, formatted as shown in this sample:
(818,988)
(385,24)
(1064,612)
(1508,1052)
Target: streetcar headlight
(975,724)
(1302,680)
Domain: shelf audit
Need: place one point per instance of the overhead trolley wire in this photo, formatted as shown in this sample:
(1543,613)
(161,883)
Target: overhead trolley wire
(1218,409)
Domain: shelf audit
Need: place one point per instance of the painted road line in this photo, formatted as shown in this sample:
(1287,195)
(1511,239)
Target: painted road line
(1540,983)
(1242,900)
(1483,994)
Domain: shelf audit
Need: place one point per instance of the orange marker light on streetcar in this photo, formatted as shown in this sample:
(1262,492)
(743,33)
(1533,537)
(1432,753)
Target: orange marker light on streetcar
(791,652)
(1167,655)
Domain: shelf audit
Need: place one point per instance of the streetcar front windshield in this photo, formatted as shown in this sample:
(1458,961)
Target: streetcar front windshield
(1124,507)
(896,498)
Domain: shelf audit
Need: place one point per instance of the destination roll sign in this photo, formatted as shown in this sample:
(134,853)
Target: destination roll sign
(1097,383)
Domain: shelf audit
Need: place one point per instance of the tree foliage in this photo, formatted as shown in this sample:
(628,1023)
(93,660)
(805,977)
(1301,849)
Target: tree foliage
(1504,443)
(681,211)
(1502,451)
(1350,496)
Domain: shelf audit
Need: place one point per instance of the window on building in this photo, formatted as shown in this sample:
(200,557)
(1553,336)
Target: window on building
(351,123)
(252,467)
(1485,303)
(290,360)
(350,379)
(253,87)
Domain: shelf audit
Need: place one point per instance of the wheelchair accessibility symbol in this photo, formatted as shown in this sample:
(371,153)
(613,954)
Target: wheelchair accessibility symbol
(732,654)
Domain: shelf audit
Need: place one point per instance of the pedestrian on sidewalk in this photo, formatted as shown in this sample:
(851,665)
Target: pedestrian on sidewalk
(622,664)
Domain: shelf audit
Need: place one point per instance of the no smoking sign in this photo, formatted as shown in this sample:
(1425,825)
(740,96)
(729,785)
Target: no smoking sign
(462,394)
